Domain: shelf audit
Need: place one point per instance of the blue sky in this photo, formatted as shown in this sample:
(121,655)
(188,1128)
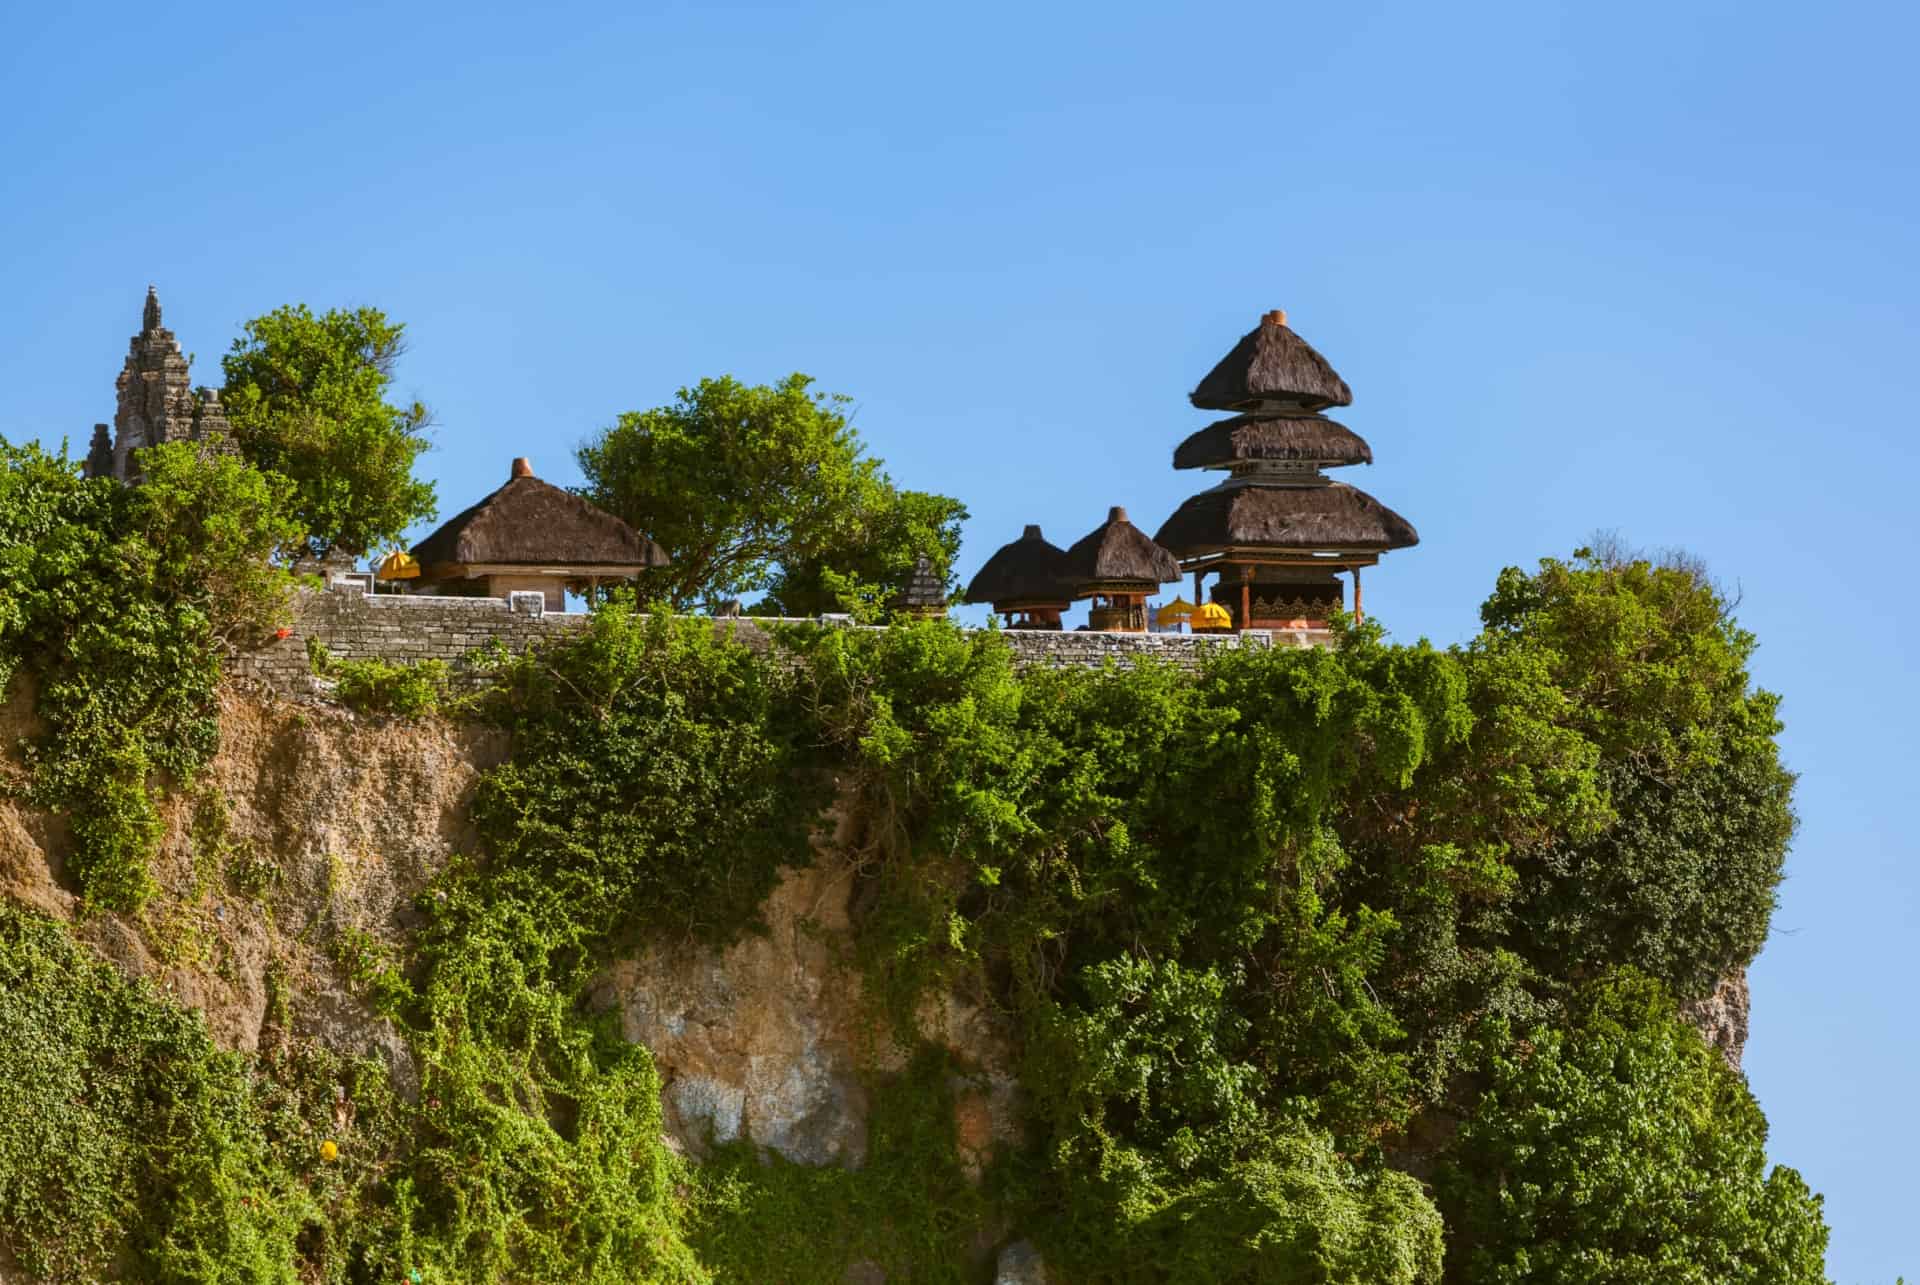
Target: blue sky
(1639,266)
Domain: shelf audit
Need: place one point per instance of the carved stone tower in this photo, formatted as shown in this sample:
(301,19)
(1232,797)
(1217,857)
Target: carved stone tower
(156,403)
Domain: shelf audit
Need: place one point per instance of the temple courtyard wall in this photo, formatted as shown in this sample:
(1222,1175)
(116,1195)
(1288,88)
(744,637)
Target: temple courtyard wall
(351,624)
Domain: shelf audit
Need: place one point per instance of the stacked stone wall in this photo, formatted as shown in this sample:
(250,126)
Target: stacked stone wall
(350,624)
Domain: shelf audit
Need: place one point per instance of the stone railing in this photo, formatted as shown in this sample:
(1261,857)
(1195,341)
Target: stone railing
(404,628)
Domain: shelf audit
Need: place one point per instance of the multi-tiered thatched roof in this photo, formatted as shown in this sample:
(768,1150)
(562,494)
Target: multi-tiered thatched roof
(1325,516)
(1300,438)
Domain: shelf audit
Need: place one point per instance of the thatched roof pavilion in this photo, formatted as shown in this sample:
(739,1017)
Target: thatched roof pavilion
(1117,566)
(1271,364)
(1025,577)
(1277,531)
(530,534)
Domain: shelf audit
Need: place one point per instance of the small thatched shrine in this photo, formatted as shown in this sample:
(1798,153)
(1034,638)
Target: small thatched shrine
(1026,578)
(1278,531)
(925,593)
(1117,566)
(531,535)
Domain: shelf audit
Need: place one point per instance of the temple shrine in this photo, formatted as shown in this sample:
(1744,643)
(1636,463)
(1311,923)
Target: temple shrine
(1118,567)
(1276,534)
(1025,582)
(1274,537)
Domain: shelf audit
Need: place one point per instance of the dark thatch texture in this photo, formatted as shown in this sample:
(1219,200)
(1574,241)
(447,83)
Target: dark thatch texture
(1271,363)
(1118,552)
(1307,438)
(1031,569)
(1331,515)
(533,522)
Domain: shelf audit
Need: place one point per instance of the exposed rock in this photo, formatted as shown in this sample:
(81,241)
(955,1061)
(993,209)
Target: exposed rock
(342,821)
(1721,1017)
(763,1040)
(1020,1264)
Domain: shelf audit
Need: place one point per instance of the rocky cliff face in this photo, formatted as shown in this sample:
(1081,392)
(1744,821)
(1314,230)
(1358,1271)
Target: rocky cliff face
(339,821)
(332,822)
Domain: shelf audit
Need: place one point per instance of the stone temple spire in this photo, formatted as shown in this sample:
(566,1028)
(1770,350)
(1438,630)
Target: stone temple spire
(156,401)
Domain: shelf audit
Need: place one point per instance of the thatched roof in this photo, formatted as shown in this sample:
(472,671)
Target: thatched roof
(1116,552)
(1269,436)
(1329,515)
(533,522)
(1030,569)
(1271,363)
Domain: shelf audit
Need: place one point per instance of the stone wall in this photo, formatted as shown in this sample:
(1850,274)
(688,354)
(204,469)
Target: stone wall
(405,628)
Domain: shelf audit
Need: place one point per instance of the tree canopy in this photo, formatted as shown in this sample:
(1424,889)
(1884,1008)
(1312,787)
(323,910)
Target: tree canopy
(766,487)
(306,396)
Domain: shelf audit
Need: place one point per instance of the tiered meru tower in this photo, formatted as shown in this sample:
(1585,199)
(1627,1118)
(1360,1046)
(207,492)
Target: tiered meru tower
(156,403)
(1278,530)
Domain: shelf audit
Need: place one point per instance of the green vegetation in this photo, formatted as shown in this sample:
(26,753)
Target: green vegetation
(115,600)
(766,487)
(1620,1148)
(909,1210)
(1271,939)
(125,1134)
(307,399)
(405,690)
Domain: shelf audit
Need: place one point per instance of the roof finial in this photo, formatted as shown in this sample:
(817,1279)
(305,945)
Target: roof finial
(1118,513)
(1278,317)
(150,318)
(522,467)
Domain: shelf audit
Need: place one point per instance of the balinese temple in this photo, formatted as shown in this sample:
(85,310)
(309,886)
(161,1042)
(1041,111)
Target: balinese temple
(1117,566)
(1025,581)
(155,403)
(1276,534)
(925,593)
(530,535)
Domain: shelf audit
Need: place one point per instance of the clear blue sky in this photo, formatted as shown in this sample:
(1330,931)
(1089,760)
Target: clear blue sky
(1641,266)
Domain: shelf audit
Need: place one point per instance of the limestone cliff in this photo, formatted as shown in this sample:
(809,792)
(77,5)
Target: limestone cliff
(340,821)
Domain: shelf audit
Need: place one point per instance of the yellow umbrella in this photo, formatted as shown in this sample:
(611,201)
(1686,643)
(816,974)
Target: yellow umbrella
(1178,609)
(1212,616)
(398,565)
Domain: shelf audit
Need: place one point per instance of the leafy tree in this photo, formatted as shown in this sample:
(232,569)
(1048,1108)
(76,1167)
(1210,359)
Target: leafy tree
(307,399)
(1620,1148)
(764,487)
(873,551)
(1681,879)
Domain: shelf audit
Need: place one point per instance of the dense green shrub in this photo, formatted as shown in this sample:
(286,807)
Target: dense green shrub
(909,1209)
(123,1130)
(405,690)
(1619,1147)
(117,600)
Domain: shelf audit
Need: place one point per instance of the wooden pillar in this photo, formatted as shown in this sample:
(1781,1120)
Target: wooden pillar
(1246,598)
(1359,612)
